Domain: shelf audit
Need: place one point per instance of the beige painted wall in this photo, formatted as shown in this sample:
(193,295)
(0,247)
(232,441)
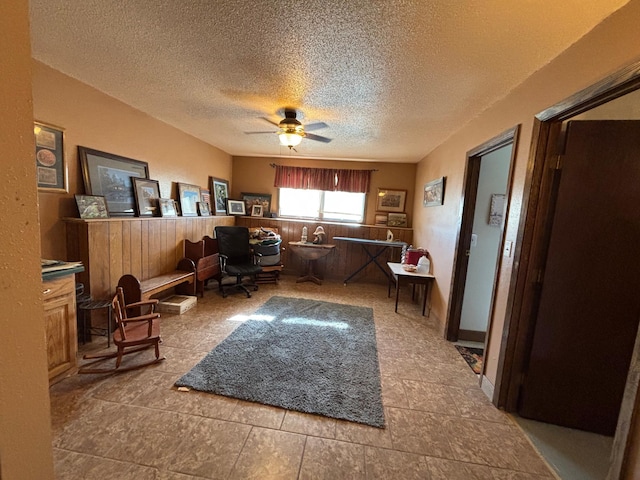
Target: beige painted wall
(25,448)
(25,431)
(609,47)
(255,175)
(95,120)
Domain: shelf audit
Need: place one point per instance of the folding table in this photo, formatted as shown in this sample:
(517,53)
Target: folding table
(401,277)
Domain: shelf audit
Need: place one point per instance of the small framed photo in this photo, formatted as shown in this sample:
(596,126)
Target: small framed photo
(397,220)
(92,206)
(146,192)
(50,165)
(434,192)
(189,196)
(220,190)
(256,210)
(236,207)
(381,219)
(205,197)
(167,207)
(391,200)
(203,209)
(496,209)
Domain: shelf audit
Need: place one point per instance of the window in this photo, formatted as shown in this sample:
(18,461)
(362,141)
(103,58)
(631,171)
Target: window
(321,205)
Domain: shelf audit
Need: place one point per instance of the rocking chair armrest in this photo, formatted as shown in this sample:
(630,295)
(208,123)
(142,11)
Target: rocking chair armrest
(153,301)
(142,318)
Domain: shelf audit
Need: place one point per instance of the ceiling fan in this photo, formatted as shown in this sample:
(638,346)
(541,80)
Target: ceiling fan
(291,131)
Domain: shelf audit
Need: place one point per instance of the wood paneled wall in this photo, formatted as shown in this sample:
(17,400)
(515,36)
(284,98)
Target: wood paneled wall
(346,258)
(144,247)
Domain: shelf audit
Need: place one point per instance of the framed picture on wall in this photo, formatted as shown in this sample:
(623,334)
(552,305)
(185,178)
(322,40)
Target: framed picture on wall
(256,210)
(205,196)
(236,207)
(262,199)
(146,192)
(397,220)
(203,209)
(189,196)
(434,192)
(51,167)
(381,219)
(391,200)
(167,207)
(220,190)
(92,206)
(496,209)
(110,175)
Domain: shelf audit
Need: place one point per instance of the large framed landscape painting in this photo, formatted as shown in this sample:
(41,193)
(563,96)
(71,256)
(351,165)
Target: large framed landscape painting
(110,175)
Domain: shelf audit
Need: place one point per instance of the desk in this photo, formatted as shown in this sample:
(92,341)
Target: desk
(401,276)
(311,252)
(381,246)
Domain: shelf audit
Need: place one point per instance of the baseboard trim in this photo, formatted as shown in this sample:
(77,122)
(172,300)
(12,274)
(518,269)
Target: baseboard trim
(487,387)
(471,335)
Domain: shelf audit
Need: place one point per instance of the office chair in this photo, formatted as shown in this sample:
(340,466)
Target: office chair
(236,259)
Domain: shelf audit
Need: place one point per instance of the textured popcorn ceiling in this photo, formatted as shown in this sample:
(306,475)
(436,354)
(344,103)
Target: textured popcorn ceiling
(392,79)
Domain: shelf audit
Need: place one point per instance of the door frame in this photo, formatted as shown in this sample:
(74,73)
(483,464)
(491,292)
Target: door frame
(532,242)
(465,228)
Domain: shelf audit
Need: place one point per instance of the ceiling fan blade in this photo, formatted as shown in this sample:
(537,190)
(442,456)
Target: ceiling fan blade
(315,126)
(251,133)
(271,122)
(317,138)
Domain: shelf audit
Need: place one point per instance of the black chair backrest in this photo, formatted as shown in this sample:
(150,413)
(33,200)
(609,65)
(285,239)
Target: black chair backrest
(234,243)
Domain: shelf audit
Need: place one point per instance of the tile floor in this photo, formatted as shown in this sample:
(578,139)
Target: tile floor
(573,454)
(440,425)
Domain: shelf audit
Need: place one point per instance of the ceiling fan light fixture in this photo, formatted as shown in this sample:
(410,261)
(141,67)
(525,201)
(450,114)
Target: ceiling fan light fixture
(289,139)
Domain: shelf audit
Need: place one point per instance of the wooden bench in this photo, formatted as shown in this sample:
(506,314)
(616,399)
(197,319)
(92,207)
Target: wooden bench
(183,279)
(204,254)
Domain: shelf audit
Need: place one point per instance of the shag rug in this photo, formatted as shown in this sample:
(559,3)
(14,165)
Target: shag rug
(299,354)
(473,356)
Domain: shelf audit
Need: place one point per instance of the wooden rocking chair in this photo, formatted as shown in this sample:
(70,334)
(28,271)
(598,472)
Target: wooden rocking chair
(131,334)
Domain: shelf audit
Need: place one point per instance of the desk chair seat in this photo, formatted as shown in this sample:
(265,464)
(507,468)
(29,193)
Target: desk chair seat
(236,259)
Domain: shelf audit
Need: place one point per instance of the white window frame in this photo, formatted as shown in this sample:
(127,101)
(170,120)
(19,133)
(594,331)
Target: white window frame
(321,212)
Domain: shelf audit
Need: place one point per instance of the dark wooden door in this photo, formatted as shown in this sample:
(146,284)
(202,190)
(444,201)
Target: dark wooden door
(590,295)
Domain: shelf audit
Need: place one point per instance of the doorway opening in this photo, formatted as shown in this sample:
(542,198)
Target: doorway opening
(538,264)
(487,187)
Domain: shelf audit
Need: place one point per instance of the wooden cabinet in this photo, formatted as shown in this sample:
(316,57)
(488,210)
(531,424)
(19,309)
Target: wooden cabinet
(60,326)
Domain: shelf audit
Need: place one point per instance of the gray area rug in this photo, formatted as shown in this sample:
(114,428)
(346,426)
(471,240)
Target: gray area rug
(305,355)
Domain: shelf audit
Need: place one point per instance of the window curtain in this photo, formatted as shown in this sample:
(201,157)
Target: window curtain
(328,179)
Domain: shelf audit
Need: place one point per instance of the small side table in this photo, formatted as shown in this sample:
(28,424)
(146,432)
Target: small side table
(88,307)
(311,252)
(402,277)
